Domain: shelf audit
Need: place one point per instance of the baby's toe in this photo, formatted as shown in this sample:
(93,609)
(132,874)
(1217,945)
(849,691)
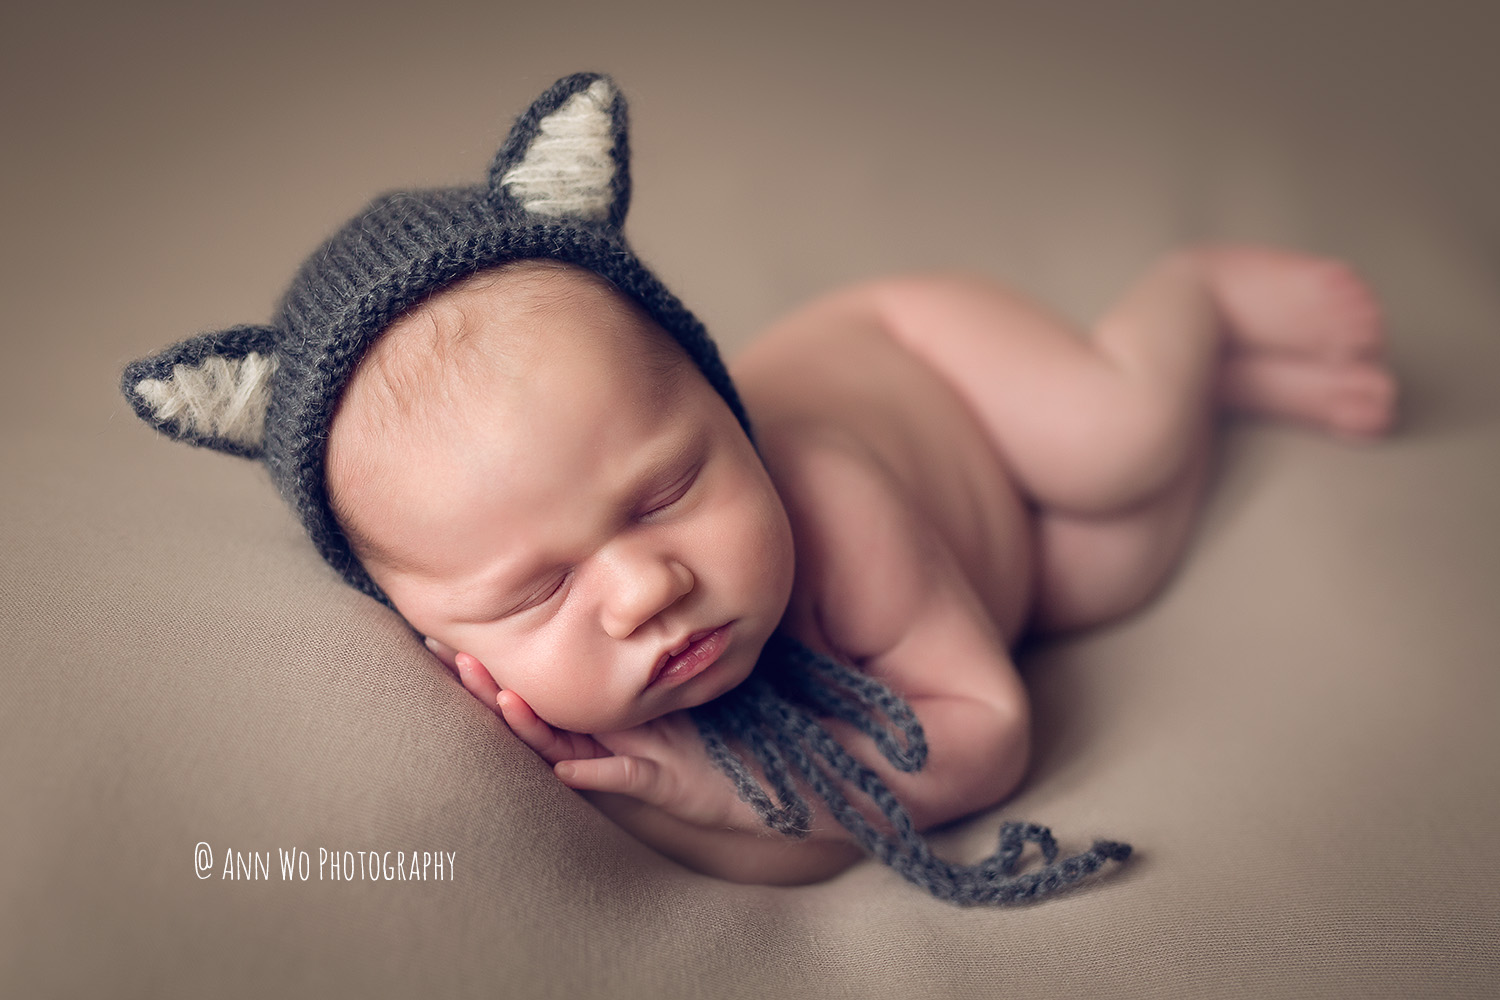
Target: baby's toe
(1365,404)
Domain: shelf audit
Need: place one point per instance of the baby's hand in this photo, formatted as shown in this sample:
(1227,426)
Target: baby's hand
(662,762)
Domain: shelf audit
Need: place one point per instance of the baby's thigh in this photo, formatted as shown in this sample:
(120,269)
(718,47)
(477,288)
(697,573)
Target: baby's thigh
(1005,355)
(948,312)
(1027,374)
(1079,428)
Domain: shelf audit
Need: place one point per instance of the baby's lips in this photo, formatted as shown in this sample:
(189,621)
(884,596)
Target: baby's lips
(664,663)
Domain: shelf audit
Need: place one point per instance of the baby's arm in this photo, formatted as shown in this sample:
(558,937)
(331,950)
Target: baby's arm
(878,587)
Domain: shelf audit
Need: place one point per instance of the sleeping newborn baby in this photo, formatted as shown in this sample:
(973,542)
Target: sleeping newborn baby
(491,416)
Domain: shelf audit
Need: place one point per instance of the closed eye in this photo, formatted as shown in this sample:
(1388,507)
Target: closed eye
(674,493)
(540,596)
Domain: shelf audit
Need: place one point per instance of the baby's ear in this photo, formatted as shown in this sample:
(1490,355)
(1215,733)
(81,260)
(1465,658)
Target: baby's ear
(568,156)
(211,390)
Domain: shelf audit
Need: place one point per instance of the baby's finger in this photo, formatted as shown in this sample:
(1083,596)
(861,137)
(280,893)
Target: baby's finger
(477,680)
(549,742)
(634,776)
(533,731)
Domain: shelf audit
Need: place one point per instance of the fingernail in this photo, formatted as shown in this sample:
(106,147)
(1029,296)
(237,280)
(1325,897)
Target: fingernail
(429,642)
(566,771)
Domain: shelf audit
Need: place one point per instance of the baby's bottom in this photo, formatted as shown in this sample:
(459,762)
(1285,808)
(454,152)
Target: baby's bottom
(1110,434)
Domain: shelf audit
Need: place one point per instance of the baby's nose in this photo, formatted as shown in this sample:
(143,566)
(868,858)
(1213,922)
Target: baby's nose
(644,588)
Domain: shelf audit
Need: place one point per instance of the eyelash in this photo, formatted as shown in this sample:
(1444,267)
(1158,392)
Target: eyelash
(678,492)
(542,598)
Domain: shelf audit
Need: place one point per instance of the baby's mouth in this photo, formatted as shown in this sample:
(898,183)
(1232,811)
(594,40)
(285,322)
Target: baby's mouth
(692,656)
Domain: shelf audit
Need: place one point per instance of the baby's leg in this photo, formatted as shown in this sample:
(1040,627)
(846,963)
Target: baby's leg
(1110,435)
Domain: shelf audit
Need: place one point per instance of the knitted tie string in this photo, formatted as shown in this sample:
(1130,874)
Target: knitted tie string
(773,715)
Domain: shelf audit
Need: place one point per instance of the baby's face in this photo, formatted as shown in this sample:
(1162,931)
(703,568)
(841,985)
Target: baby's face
(580,511)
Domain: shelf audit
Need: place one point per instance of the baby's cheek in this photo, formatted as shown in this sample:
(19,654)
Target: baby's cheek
(563,674)
(777,527)
(764,544)
(581,706)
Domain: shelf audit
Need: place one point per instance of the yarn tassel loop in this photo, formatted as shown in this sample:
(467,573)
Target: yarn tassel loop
(772,715)
(830,688)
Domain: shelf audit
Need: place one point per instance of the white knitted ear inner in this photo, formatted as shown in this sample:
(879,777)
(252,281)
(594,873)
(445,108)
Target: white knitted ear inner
(568,168)
(223,397)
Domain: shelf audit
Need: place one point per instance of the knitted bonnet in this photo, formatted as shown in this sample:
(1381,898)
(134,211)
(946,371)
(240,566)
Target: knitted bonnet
(557,189)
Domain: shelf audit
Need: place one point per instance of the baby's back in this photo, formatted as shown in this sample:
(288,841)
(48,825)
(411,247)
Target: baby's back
(830,379)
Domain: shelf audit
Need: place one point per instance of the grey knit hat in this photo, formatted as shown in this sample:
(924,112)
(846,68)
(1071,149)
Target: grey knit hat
(558,188)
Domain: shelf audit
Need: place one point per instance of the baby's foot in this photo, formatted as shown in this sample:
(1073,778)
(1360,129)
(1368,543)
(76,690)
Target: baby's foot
(1305,341)
(1354,397)
(1294,303)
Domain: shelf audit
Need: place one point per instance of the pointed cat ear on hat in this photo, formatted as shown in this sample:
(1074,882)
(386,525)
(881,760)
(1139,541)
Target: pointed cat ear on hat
(558,188)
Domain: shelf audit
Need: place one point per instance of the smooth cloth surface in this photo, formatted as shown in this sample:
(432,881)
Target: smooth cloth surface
(1299,736)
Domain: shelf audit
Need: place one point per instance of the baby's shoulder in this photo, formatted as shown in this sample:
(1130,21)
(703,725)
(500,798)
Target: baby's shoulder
(864,555)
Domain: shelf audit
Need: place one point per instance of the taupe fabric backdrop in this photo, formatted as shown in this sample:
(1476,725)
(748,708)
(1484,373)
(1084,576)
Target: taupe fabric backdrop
(1299,736)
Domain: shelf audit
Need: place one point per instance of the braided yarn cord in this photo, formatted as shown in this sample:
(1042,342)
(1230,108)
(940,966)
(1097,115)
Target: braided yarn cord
(774,716)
